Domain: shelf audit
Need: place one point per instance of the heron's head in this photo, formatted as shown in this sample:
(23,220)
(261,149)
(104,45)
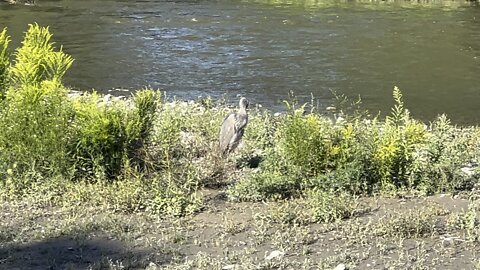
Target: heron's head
(243,103)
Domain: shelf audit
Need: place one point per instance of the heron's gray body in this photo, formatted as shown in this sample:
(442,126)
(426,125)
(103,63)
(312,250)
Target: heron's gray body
(233,128)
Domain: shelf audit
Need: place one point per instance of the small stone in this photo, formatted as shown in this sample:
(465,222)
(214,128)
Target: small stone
(331,109)
(340,267)
(468,171)
(274,254)
(230,266)
(340,120)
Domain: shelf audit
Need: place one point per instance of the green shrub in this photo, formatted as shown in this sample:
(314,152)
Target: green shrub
(326,206)
(310,151)
(437,166)
(146,103)
(111,135)
(399,140)
(36,61)
(4,63)
(34,123)
(45,130)
(99,137)
(35,112)
(307,141)
(139,126)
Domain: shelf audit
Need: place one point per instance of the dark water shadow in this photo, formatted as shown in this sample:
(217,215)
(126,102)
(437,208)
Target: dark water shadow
(68,252)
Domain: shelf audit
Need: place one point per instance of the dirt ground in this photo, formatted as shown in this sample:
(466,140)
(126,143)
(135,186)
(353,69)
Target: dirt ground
(438,232)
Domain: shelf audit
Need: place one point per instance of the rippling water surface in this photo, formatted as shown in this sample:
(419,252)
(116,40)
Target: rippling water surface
(264,50)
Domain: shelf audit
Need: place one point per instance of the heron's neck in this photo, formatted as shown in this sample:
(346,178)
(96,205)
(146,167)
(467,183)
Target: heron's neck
(242,110)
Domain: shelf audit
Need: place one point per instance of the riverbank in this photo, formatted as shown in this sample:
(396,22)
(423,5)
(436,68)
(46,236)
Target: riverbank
(192,210)
(384,233)
(94,182)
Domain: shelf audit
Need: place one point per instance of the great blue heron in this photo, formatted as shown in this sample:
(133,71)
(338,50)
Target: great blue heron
(233,127)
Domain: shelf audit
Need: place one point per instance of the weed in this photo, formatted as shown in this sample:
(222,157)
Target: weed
(36,61)
(4,63)
(413,223)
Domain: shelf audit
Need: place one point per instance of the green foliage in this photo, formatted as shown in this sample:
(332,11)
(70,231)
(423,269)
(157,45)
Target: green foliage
(36,60)
(306,141)
(468,221)
(413,223)
(139,126)
(34,123)
(99,137)
(109,135)
(35,113)
(397,144)
(314,206)
(4,62)
(310,151)
(399,114)
(45,135)
(166,137)
(146,104)
(329,207)
(174,199)
(266,185)
(437,165)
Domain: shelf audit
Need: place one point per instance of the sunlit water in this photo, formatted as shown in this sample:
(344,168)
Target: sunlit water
(265,50)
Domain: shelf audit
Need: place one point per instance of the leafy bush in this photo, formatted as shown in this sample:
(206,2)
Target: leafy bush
(35,113)
(34,123)
(4,62)
(306,141)
(437,166)
(44,130)
(37,61)
(361,156)
(398,141)
(110,135)
(99,137)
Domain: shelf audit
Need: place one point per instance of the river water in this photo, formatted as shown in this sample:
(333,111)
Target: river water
(265,49)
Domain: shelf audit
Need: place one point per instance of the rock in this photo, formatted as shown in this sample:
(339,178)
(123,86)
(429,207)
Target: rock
(468,170)
(274,254)
(340,121)
(340,267)
(331,109)
(24,2)
(107,98)
(227,267)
